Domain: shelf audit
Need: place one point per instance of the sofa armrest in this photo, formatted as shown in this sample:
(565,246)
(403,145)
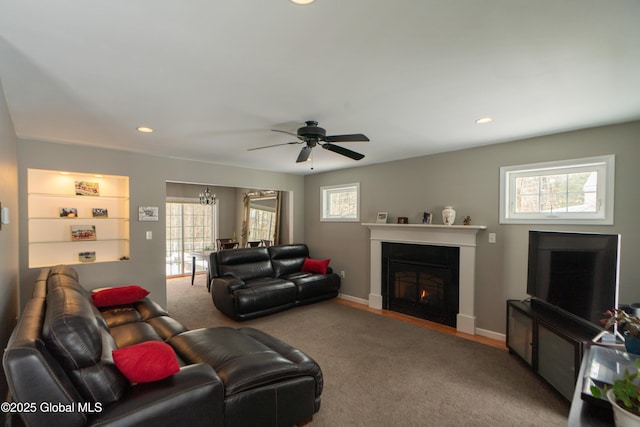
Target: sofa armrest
(230,282)
(192,397)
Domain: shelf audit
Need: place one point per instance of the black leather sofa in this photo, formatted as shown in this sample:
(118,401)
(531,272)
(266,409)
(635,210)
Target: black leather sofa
(253,282)
(60,370)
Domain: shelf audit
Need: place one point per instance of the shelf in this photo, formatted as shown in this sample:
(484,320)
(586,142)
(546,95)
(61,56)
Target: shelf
(51,196)
(76,241)
(74,196)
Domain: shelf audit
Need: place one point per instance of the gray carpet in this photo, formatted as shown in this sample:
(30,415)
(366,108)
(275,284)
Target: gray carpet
(381,372)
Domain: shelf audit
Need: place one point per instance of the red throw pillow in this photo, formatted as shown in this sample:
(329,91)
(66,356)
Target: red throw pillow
(118,296)
(319,266)
(146,362)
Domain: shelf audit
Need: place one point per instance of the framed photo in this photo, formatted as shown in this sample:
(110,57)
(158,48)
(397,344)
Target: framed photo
(426,218)
(68,213)
(147,213)
(403,220)
(382,217)
(83,232)
(87,256)
(100,212)
(86,188)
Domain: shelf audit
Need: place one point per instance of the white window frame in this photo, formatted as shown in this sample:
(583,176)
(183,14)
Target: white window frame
(325,201)
(605,167)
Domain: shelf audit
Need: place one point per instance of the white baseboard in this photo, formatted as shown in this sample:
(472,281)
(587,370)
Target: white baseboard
(478,331)
(354,299)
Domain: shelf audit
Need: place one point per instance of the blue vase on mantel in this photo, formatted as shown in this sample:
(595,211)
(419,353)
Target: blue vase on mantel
(632,344)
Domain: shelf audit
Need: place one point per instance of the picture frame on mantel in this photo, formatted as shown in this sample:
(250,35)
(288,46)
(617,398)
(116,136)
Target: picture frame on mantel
(381,218)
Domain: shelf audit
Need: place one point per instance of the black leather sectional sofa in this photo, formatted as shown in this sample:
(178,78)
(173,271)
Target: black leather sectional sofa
(252,282)
(61,372)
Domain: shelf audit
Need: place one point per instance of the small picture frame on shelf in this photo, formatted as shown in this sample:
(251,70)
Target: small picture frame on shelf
(426,218)
(403,220)
(87,188)
(87,256)
(381,218)
(147,213)
(100,212)
(83,232)
(68,212)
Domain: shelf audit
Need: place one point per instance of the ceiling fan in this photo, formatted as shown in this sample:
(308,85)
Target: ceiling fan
(312,135)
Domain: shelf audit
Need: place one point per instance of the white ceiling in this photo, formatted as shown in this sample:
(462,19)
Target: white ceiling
(213,77)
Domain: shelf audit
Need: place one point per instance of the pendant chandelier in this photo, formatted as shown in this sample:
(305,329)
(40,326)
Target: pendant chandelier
(207,198)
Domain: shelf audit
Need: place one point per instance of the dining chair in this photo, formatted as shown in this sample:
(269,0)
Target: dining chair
(219,242)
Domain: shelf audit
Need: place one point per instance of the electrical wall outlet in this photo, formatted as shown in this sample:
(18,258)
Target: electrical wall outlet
(492,237)
(342,274)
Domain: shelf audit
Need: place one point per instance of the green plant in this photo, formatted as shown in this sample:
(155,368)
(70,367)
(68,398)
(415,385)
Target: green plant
(627,325)
(625,390)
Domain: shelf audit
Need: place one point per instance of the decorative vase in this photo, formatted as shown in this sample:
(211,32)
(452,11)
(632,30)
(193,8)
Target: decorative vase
(448,215)
(621,416)
(632,344)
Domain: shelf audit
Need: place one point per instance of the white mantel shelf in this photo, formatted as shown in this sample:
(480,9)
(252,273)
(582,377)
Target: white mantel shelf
(461,236)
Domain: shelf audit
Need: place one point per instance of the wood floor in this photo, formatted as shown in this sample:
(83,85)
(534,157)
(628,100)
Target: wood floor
(425,324)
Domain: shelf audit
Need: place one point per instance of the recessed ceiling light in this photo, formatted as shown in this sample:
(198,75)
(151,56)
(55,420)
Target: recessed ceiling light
(144,129)
(484,120)
(302,1)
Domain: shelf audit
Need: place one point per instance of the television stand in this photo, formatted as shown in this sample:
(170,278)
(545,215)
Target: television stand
(549,341)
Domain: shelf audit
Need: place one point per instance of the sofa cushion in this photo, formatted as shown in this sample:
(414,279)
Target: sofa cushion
(146,362)
(243,362)
(287,259)
(262,294)
(318,266)
(245,264)
(65,276)
(118,296)
(313,286)
(82,346)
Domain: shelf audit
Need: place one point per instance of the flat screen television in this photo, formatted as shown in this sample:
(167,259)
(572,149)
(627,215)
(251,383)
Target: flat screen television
(574,272)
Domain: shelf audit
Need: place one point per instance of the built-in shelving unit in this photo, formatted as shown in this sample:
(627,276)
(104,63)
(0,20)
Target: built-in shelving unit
(96,207)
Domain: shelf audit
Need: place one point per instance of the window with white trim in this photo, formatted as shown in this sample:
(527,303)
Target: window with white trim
(578,191)
(340,202)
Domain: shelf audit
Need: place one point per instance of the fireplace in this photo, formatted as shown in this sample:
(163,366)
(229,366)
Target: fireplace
(421,281)
(462,237)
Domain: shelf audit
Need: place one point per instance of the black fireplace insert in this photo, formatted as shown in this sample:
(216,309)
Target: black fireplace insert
(421,281)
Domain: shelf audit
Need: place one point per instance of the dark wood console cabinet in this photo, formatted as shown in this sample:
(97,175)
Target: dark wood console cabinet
(549,341)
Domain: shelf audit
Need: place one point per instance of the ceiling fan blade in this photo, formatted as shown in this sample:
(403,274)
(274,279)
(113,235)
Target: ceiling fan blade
(344,151)
(346,138)
(275,145)
(285,131)
(304,154)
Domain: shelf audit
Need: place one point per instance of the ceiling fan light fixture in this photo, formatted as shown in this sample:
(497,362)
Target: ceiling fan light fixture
(303,2)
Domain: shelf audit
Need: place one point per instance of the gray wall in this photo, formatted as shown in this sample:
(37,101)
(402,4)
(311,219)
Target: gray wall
(8,233)
(148,176)
(469,181)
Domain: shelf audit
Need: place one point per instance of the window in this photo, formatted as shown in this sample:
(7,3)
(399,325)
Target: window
(190,228)
(576,191)
(340,202)
(262,224)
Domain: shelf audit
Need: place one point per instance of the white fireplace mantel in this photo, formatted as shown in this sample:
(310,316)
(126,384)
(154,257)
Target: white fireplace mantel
(460,236)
